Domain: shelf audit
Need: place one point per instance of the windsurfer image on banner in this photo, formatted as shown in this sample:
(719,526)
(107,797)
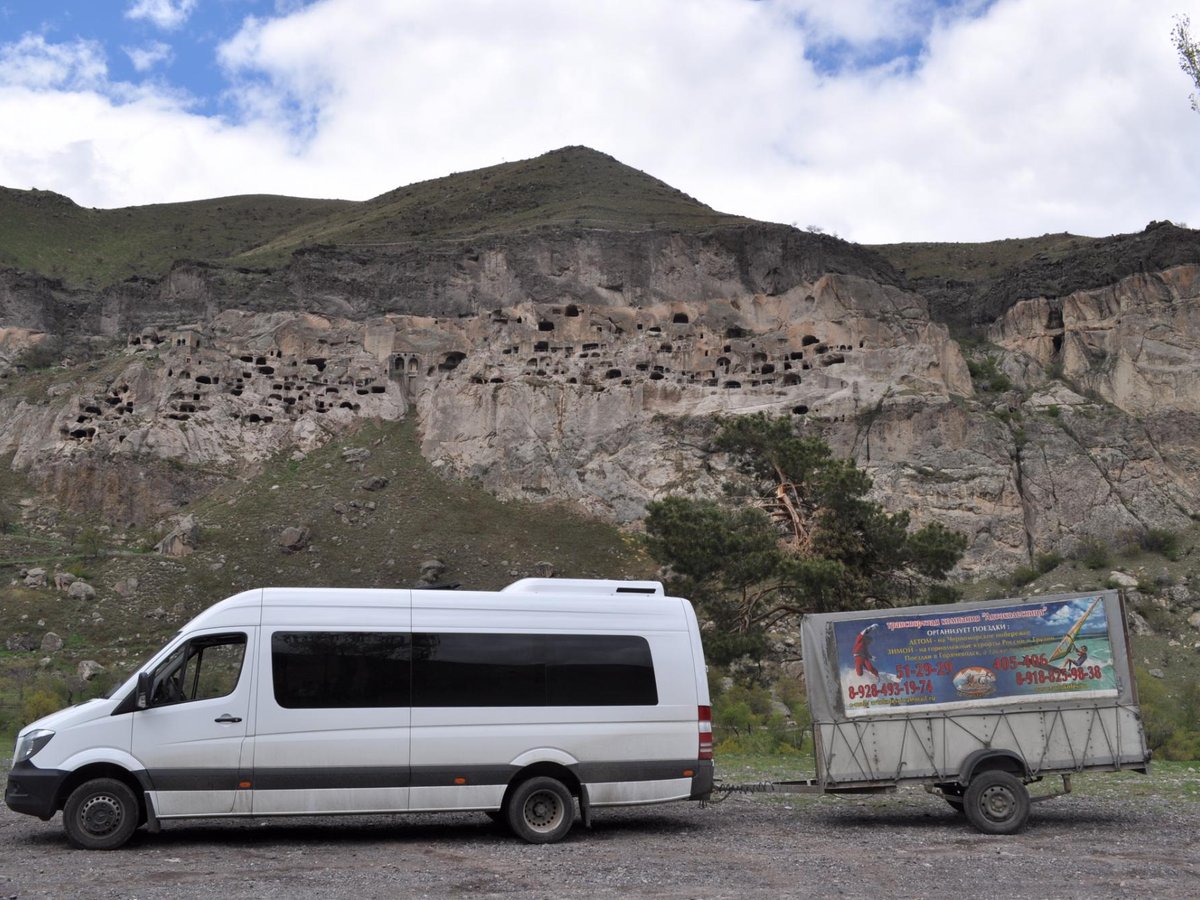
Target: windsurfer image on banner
(1067,645)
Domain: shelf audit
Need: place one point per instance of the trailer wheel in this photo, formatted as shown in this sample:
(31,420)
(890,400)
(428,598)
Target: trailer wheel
(100,814)
(541,810)
(996,802)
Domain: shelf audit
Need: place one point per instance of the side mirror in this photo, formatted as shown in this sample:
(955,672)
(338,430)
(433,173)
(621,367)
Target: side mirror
(144,684)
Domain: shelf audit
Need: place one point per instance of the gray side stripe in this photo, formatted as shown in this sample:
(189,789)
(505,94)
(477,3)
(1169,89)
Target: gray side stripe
(318,778)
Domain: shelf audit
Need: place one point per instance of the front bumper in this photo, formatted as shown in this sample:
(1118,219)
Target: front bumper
(33,791)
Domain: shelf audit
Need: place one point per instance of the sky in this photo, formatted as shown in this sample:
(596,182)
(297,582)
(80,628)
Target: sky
(876,120)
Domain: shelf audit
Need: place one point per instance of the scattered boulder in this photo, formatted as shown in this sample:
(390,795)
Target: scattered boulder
(1137,623)
(293,539)
(373,483)
(431,572)
(180,540)
(1123,580)
(1194,620)
(89,669)
(81,590)
(354,455)
(543,569)
(63,580)
(35,578)
(51,643)
(1158,673)
(20,642)
(126,587)
(1181,597)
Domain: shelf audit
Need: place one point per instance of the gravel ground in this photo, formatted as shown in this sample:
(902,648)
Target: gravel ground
(905,845)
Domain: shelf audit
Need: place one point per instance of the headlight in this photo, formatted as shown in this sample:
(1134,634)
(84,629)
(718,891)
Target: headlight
(30,743)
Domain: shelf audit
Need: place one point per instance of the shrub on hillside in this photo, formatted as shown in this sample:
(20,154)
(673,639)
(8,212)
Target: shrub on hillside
(1093,553)
(1162,541)
(1172,724)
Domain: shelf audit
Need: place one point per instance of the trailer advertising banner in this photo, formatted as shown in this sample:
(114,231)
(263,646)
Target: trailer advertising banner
(998,655)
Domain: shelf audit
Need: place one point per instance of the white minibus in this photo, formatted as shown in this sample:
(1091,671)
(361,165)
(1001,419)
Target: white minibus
(523,703)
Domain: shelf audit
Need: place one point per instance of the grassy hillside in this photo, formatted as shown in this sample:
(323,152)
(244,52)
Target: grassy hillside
(978,261)
(49,234)
(969,285)
(571,187)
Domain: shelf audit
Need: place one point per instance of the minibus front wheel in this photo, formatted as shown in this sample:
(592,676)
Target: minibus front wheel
(100,814)
(541,810)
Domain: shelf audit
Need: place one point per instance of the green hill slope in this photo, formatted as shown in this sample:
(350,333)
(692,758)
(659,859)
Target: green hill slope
(49,234)
(571,187)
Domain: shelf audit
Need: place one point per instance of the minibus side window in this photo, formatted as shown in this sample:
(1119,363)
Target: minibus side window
(340,669)
(479,670)
(200,669)
(600,670)
(504,669)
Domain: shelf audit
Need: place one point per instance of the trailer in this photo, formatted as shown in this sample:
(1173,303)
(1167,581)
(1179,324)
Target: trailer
(975,701)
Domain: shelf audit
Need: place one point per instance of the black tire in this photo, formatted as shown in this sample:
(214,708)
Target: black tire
(101,814)
(996,802)
(540,810)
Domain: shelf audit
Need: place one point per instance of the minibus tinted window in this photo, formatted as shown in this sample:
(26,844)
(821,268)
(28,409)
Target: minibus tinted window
(453,669)
(599,670)
(339,670)
(478,670)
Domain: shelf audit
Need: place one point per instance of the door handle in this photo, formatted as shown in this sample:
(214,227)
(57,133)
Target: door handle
(227,719)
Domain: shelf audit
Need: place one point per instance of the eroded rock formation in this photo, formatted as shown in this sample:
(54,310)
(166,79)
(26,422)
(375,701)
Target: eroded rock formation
(589,366)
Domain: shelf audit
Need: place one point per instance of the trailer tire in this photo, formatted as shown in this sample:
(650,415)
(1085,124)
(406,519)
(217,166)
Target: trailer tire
(996,802)
(541,810)
(101,814)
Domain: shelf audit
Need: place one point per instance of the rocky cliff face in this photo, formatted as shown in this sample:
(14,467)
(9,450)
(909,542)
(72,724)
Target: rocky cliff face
(589,365)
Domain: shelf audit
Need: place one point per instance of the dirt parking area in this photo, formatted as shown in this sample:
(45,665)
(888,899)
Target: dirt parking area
(907,845)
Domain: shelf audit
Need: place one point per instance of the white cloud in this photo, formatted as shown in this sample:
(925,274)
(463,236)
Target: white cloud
(146,57)
(1019,117)
(32,62)
(860,22)
(165,14)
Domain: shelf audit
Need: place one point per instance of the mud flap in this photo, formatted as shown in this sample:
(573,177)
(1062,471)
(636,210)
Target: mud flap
(585,806)
(152,824)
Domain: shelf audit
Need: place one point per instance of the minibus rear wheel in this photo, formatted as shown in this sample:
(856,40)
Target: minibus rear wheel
(541,810)
(100,814)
